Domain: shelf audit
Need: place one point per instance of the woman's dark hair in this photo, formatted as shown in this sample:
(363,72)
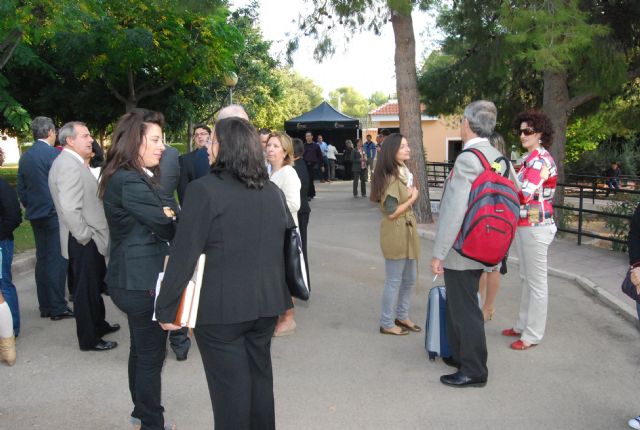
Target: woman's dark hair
(98,158)
(539,122)
(240,152)
(124,152)
(386,166)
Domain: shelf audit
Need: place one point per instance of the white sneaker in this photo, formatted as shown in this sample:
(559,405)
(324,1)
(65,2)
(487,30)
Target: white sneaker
(634,423)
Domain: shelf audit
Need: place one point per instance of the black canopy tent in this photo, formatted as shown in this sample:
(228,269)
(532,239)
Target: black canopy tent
(324,119)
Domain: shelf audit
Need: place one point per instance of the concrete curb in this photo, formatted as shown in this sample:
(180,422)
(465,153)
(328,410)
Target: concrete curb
(605,297)
(23,263)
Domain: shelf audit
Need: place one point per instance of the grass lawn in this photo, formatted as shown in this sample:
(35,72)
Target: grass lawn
(9,174)
(23,237)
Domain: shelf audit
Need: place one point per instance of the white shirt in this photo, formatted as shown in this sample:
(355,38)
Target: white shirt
(75,154)
(331,152)
(288,181)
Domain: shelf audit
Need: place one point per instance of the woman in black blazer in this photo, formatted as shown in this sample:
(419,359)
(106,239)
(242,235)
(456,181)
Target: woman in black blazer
(140,227)
(238,221)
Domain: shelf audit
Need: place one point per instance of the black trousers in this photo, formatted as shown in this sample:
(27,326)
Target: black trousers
(146,355)
(362,176)
(88,268)
(303,222)
(237,362)
(180,341)
(465,323)
(311,168)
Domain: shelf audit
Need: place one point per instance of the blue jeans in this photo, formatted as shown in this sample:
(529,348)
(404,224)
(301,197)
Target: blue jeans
(7,288)
(400,279)
(51,266)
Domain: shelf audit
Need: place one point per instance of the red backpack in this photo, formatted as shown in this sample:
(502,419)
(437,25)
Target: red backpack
(489,225)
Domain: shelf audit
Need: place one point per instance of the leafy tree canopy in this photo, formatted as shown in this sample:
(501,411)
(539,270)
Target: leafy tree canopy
(350,102)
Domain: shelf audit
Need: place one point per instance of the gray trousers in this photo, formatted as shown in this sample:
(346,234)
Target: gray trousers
(400,279)
(532,244)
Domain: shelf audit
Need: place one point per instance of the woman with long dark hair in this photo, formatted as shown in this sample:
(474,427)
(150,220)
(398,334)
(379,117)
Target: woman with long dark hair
(238,221)
(140,228)
(393,187)
(537,178)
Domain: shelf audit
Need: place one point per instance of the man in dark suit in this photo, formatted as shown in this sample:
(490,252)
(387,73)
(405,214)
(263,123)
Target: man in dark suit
(465,322)
(305,209)
(312,157)
(84,234)
(33,190)
(169,176)
(196,163)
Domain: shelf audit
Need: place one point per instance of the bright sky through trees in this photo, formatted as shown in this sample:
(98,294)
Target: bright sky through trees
(365,63)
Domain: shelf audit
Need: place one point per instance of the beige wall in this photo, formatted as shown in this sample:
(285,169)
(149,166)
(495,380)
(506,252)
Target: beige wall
(435,135)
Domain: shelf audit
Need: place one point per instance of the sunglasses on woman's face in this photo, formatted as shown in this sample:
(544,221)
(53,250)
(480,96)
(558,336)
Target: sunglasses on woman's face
(527,131)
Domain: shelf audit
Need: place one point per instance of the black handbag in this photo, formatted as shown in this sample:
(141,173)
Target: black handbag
(294,266)
(628,288)
(295,269)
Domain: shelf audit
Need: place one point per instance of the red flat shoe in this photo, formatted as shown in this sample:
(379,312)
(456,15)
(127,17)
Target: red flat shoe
(520,346)
(510,332)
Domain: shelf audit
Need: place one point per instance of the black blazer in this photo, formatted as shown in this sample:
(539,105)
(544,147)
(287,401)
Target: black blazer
(193,165)
(634,237)
(241,232)
(303,173)
(10,215)
(139,231)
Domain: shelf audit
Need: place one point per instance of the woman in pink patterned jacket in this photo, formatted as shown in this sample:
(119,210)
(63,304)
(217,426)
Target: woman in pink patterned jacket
(537,178)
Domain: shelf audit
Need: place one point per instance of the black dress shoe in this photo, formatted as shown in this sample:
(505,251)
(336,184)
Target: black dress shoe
(460,380)
(181,357)
(45,314)
(66,314)
(112,328)
(103,345)
(449,361)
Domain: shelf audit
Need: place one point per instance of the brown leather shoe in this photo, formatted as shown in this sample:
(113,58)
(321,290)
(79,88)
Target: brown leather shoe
(403,331)
(415,328)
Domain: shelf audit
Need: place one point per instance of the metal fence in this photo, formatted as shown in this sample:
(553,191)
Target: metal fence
(580,187)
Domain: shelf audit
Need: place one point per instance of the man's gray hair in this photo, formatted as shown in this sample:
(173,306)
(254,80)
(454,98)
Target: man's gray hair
(481,115)
(232,111)
(40,127)
(68,130)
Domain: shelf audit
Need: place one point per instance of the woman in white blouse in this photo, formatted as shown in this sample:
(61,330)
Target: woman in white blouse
(280,158)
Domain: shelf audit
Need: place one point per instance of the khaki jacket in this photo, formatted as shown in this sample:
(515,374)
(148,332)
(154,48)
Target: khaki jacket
(399,237)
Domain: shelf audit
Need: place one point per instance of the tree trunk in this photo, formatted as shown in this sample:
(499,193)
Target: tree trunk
(190,135)
(409,107)
(555,103)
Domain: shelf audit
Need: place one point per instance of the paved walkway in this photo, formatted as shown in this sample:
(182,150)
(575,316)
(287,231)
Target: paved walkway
(337,371)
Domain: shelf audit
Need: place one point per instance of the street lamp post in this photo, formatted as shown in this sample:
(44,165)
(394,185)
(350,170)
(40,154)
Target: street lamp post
(231,80)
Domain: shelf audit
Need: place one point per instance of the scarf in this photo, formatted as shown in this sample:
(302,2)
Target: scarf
(405,176)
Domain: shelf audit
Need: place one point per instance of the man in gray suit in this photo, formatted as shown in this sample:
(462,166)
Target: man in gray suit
(465,323)
(84,234)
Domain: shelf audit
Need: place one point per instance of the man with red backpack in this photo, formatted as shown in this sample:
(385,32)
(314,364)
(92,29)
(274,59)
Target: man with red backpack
(480,209)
